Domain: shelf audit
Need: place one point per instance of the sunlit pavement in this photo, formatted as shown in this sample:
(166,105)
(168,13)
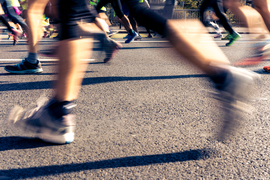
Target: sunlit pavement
(145,115)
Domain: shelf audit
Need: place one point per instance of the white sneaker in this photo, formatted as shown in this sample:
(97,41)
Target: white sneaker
(41,123)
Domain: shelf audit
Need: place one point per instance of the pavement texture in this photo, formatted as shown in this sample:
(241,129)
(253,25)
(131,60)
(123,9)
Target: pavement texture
(145,115)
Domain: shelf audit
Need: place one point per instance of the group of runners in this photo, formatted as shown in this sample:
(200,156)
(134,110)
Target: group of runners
(54,122)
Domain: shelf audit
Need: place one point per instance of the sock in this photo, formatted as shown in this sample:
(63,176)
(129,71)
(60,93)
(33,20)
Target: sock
(60,108)
(32,58)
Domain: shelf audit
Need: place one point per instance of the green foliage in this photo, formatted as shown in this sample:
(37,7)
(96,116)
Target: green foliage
(195,4)
(191,4)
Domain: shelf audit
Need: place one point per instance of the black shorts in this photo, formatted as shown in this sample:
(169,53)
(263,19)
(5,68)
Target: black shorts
(72,12)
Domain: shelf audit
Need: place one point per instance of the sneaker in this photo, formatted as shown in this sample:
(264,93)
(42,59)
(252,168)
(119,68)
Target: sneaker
(233,38)
(226,37)
(42,124)
(266,68)
(126,37)
(219,35)
(149,36)
(24,67)
(261,51)
(233,96)
(138,38)
(111,47)
(131,37)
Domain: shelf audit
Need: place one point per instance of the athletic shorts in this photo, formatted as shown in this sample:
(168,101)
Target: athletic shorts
(72,12)
(125,9)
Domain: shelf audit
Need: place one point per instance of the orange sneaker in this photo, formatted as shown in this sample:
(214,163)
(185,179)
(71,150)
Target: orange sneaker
(266,68)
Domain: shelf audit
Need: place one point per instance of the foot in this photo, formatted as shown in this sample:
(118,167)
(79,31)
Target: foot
(42,124)
(266,68)
(138,38)
(218,36)
(226,37)
(233,38)
(111,47)
(131,37)
(149,36)
(126,37)
(24,67)
(261,51)
(233,96)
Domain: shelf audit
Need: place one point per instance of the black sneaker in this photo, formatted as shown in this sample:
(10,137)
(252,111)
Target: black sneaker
(24,67)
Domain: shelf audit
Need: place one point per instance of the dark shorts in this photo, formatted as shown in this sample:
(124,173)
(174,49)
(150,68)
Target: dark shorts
(125,9)
(72,12)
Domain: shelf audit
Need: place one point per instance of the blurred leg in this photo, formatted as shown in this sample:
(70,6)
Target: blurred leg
(234,7)
(262,7)
(191,46)
(34,16)
(71,67)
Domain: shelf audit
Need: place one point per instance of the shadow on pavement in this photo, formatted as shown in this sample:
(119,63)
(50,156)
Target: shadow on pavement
(35,74)
(123,48)
(261,71)
(89,81)
(14,142)
(52,64)
(131,161)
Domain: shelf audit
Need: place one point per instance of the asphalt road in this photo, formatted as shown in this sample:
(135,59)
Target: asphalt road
(145,115)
